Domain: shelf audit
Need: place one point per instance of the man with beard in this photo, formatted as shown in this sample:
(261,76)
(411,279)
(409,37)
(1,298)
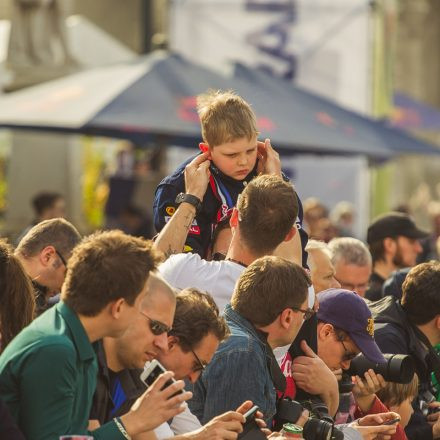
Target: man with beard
(44,252)
(393,240)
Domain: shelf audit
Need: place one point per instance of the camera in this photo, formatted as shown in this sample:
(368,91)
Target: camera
(397,368)
(152,371)
(428,398)
(251,431)
(319,426)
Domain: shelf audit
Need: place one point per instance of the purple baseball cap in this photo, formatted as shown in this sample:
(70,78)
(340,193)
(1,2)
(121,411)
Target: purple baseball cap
(349,312)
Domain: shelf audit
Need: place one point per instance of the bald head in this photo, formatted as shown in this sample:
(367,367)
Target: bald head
(157,287)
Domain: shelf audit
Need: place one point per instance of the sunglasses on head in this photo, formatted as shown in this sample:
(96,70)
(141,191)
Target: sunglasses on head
(156,327)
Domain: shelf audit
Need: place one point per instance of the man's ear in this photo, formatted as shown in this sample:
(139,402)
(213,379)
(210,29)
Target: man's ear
(324,330)
(389,245)
(291,233)
(117,307)
(172,341)
(46,255)
(437,322)
(286,317)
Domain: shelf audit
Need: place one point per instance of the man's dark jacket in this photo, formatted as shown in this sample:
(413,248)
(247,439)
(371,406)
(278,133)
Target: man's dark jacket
(395,334)
(103,407)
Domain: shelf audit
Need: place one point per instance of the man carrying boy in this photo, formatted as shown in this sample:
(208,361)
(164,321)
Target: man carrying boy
(229,132)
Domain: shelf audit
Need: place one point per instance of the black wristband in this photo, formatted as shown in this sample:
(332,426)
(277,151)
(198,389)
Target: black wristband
(189,198)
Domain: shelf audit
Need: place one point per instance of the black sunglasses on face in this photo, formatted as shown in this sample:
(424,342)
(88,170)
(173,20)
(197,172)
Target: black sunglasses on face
(61,258)
(348,355)
(156,327)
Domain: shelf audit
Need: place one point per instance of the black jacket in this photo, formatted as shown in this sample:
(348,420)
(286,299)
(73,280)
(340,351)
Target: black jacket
(200,233)
(105,398)
(395,334)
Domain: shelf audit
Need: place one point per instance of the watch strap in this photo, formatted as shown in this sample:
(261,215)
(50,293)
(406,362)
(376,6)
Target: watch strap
(189,198)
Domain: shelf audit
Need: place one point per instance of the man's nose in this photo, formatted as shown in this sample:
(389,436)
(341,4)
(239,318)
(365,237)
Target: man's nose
(161,341)
(193,376)
(345,365)
(335,283)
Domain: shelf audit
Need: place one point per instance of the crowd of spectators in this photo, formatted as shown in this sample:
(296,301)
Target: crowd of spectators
(231,306)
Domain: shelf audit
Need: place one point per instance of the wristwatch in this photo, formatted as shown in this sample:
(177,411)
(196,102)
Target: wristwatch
(189,198)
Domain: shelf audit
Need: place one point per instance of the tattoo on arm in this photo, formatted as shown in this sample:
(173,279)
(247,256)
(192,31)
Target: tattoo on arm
(188,219)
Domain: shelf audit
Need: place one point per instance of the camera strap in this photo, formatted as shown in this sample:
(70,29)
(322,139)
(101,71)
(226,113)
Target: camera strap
(277,376)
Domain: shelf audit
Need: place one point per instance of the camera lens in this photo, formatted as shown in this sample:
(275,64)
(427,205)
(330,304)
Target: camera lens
(397,368)
(316,429)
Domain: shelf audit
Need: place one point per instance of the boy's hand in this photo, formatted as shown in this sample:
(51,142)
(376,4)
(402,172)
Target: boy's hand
(197,175)
(268,159)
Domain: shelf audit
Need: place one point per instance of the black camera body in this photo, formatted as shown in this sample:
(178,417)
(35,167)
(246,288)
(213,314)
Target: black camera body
(397,368)
(319,426)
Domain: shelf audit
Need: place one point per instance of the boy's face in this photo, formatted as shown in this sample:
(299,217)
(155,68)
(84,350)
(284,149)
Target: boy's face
(237,158)
(405,411)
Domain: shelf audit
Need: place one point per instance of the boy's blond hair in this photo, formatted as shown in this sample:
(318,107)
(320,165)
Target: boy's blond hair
(393,394)
(225,117)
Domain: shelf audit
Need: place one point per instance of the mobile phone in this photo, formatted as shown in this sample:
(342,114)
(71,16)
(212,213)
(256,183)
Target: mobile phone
(251,430)
(250,415)
(391,422)
(152,371)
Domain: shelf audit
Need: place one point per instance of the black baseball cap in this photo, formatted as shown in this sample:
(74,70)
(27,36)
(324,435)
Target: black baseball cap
(393,224)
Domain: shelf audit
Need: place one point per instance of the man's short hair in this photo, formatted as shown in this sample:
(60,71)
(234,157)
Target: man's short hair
(105,267)
(267,210)
(267,287)
(44,200)
(420,297)
(349,250)
(394,394)
(56,232)
(225,117)
(196,316)
(316,245)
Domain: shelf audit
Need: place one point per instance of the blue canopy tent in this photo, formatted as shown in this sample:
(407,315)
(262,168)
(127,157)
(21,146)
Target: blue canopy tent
(155,96)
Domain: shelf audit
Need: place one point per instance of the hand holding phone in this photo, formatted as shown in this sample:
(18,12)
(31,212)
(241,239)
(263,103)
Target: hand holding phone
(251,431)
(152,371)
(391,422)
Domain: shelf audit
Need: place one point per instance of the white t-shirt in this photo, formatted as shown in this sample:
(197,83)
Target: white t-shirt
(218,278)
(181,424)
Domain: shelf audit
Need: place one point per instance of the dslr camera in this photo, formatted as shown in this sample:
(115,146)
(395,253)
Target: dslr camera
(319,426)
(397,368)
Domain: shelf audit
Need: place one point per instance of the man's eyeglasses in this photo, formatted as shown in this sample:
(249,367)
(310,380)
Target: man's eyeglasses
(308,313)
(202,365)
(156,327)
(61,258)
(348,355)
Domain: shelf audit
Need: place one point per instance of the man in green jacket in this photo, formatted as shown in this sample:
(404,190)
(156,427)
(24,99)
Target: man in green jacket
(48,372)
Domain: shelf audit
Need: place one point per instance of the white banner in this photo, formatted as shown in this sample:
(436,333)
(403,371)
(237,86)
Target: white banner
(323,45)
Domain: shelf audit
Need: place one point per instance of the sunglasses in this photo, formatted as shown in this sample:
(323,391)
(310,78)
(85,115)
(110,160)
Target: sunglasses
(348,355)
(61,258)
(156,327)
(308,313)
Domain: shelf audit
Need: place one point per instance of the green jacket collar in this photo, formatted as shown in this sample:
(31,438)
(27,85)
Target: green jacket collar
(79,335)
